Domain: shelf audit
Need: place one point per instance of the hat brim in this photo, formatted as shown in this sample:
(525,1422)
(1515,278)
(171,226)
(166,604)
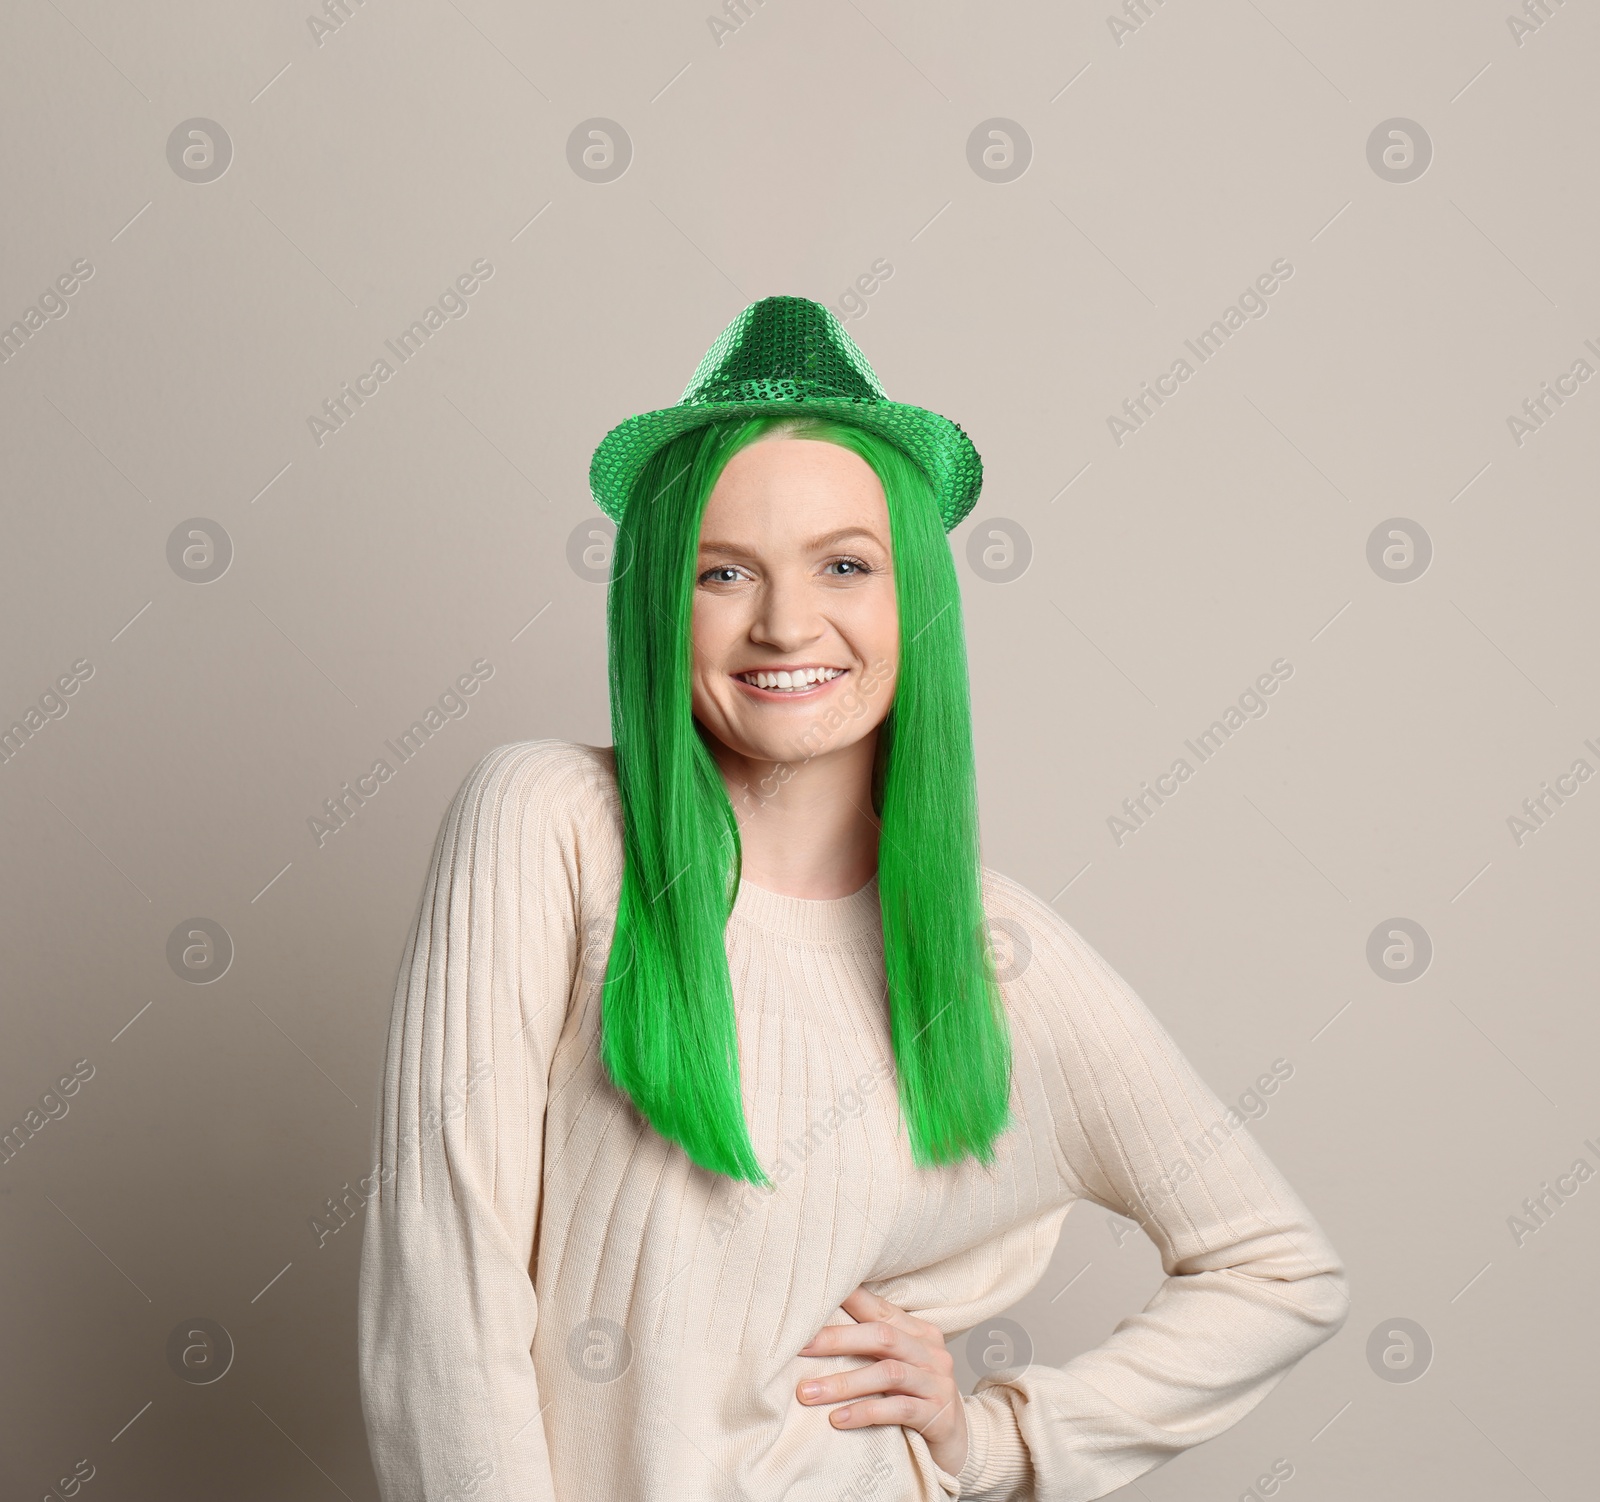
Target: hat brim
(937,444)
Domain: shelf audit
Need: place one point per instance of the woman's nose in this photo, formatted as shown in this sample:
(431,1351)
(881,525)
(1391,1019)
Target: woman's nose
(786,615)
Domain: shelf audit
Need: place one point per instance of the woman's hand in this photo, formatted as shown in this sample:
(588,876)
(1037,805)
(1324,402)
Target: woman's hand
(913,1366)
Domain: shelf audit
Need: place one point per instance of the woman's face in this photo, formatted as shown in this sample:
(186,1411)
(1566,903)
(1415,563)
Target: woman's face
(794,579)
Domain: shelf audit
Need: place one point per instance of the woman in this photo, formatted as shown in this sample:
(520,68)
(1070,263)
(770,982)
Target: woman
(708,1114)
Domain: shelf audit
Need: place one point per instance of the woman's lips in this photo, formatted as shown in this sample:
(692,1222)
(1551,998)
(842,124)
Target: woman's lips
(789,682)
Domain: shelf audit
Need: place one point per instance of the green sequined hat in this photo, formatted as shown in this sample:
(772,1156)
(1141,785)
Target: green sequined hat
(790,355)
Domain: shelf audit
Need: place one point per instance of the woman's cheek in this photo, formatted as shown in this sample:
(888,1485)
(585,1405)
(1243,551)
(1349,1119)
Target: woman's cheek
(711,630)
(875,625)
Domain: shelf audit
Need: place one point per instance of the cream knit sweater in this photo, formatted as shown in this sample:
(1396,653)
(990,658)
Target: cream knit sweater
(556,1305)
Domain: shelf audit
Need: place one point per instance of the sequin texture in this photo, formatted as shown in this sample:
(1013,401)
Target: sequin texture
(790,354)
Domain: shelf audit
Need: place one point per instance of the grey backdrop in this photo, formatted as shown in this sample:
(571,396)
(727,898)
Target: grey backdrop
(215,218)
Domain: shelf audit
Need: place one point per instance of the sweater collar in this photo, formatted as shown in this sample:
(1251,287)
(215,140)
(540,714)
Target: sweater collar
(809,919)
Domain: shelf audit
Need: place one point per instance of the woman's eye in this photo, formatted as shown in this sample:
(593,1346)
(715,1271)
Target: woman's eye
(710,575)
(855,565)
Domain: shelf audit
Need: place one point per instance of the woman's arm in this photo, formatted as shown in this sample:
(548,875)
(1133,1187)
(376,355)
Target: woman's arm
(447,1309)
(1252,1283)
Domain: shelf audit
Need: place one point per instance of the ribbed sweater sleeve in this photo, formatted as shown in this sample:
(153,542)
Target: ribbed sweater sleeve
(1252,1283)
(447,1309)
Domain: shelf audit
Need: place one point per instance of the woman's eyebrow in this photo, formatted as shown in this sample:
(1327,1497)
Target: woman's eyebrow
(812,544)
(828,539)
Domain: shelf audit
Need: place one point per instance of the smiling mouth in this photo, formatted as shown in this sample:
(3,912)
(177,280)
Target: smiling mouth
(792,682)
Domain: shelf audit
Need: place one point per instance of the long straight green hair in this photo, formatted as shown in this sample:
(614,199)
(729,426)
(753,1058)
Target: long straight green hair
(669,1039)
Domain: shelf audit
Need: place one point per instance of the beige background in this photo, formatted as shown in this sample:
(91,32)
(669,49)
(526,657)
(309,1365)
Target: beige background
(1167,171)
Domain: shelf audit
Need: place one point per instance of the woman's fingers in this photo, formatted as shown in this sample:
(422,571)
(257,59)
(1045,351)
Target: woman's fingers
(870,1337)
(863,1304)
(914,1373)
(877,1316)
(889,1377)
(910,1396)
(920,1414)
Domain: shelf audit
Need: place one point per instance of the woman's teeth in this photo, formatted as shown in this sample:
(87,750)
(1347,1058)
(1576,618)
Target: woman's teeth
(800,679)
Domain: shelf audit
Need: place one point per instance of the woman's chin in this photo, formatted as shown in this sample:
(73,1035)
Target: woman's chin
(764,736)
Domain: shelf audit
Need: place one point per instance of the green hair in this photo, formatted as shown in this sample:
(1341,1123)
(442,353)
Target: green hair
(668,1033)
